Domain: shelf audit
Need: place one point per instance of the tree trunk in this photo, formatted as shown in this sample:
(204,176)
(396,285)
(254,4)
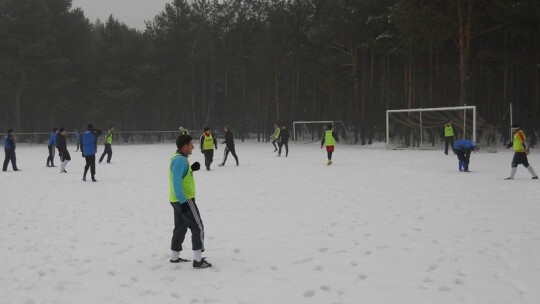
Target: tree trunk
(18,104)
(464,45)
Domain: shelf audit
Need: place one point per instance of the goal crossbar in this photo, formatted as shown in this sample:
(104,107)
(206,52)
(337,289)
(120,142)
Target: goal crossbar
(420,110)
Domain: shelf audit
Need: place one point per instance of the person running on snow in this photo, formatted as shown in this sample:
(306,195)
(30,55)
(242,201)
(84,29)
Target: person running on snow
(89,149)
(463,149)
(448,136)
(52,147)
(9,149)
(65,157)
(182,199)
(284,140)
(208,144)
(329,140)
(108,146)
(275,137)
(521,149)
(229,146)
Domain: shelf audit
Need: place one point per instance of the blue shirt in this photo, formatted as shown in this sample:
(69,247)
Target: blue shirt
(179,168)
(52,139)
(464,144)
(9,143)
(89,147)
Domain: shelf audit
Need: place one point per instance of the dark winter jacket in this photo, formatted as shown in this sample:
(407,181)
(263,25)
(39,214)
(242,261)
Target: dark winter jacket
(284,136)
(9,142)
(61,143)
(229,139)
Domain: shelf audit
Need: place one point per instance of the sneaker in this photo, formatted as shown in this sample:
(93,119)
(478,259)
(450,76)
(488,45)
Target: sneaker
(275,150)
(63,171)
(94,179)
(221,165)
(179,260)
(202,264)
(535,177)
(329,163)
(84,178)
(508,178)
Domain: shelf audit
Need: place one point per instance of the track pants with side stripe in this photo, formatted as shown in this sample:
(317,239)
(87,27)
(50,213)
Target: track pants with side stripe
(182,221)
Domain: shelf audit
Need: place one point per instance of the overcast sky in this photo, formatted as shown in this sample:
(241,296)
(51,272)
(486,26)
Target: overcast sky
(131,12)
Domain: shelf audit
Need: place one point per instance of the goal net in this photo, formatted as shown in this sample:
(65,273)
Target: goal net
(311,131)
(424,128)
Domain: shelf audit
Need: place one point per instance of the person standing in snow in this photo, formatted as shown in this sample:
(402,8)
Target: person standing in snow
(208,144)
(521,149)
(463,149)
(275,136)
(77,137)
(284,140)
(61,143)
(329,140)
(52,147)
(182,199)
(9,149)
(89,149)
(108,146)
(448,136)
(229,146)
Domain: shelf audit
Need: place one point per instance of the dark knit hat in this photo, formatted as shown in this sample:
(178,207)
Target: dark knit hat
(206,129)
(61,130)
(10,130)
(90,127)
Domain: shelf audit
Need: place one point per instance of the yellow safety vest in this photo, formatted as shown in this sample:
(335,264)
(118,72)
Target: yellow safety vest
(108,137)
(448,131)
(188,183)
(208,143)
(518,141)
(329,139)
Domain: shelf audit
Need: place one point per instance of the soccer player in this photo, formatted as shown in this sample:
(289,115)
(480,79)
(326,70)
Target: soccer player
(182,198)
(521,149)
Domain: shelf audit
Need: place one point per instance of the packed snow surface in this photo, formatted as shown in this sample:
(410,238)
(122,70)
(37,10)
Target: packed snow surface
(377,226)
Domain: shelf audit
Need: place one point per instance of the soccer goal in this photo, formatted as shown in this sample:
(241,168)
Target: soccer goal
(311,131)
(423,128)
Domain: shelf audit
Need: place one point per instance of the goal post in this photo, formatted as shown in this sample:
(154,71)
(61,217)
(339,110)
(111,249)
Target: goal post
(415,119)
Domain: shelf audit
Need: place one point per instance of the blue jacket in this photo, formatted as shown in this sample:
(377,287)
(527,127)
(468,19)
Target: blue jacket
(89,142)
(464,145)
(9,142)
(52,139)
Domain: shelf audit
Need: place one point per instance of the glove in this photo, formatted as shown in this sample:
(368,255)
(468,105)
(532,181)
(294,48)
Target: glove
(216,147)
(184,207)
(202,151)
(195,166)
(508,145)
(82,154)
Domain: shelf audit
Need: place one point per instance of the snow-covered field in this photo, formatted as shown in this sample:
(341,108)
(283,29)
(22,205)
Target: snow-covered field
(375,227)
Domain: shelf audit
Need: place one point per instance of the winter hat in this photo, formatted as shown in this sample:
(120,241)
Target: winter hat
(206,129)
(90,127)
(330,126)
(10,131)
(61,130)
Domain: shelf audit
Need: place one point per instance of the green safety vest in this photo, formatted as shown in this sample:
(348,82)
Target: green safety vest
(208,143)
(329,139)
(448,131)
(108,137)
(518,142)
(188,183)
(277,131)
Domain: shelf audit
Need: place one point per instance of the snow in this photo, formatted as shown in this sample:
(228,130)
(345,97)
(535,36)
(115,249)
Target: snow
(377,226)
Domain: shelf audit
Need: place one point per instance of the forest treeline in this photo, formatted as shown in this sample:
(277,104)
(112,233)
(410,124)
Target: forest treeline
(252,63)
